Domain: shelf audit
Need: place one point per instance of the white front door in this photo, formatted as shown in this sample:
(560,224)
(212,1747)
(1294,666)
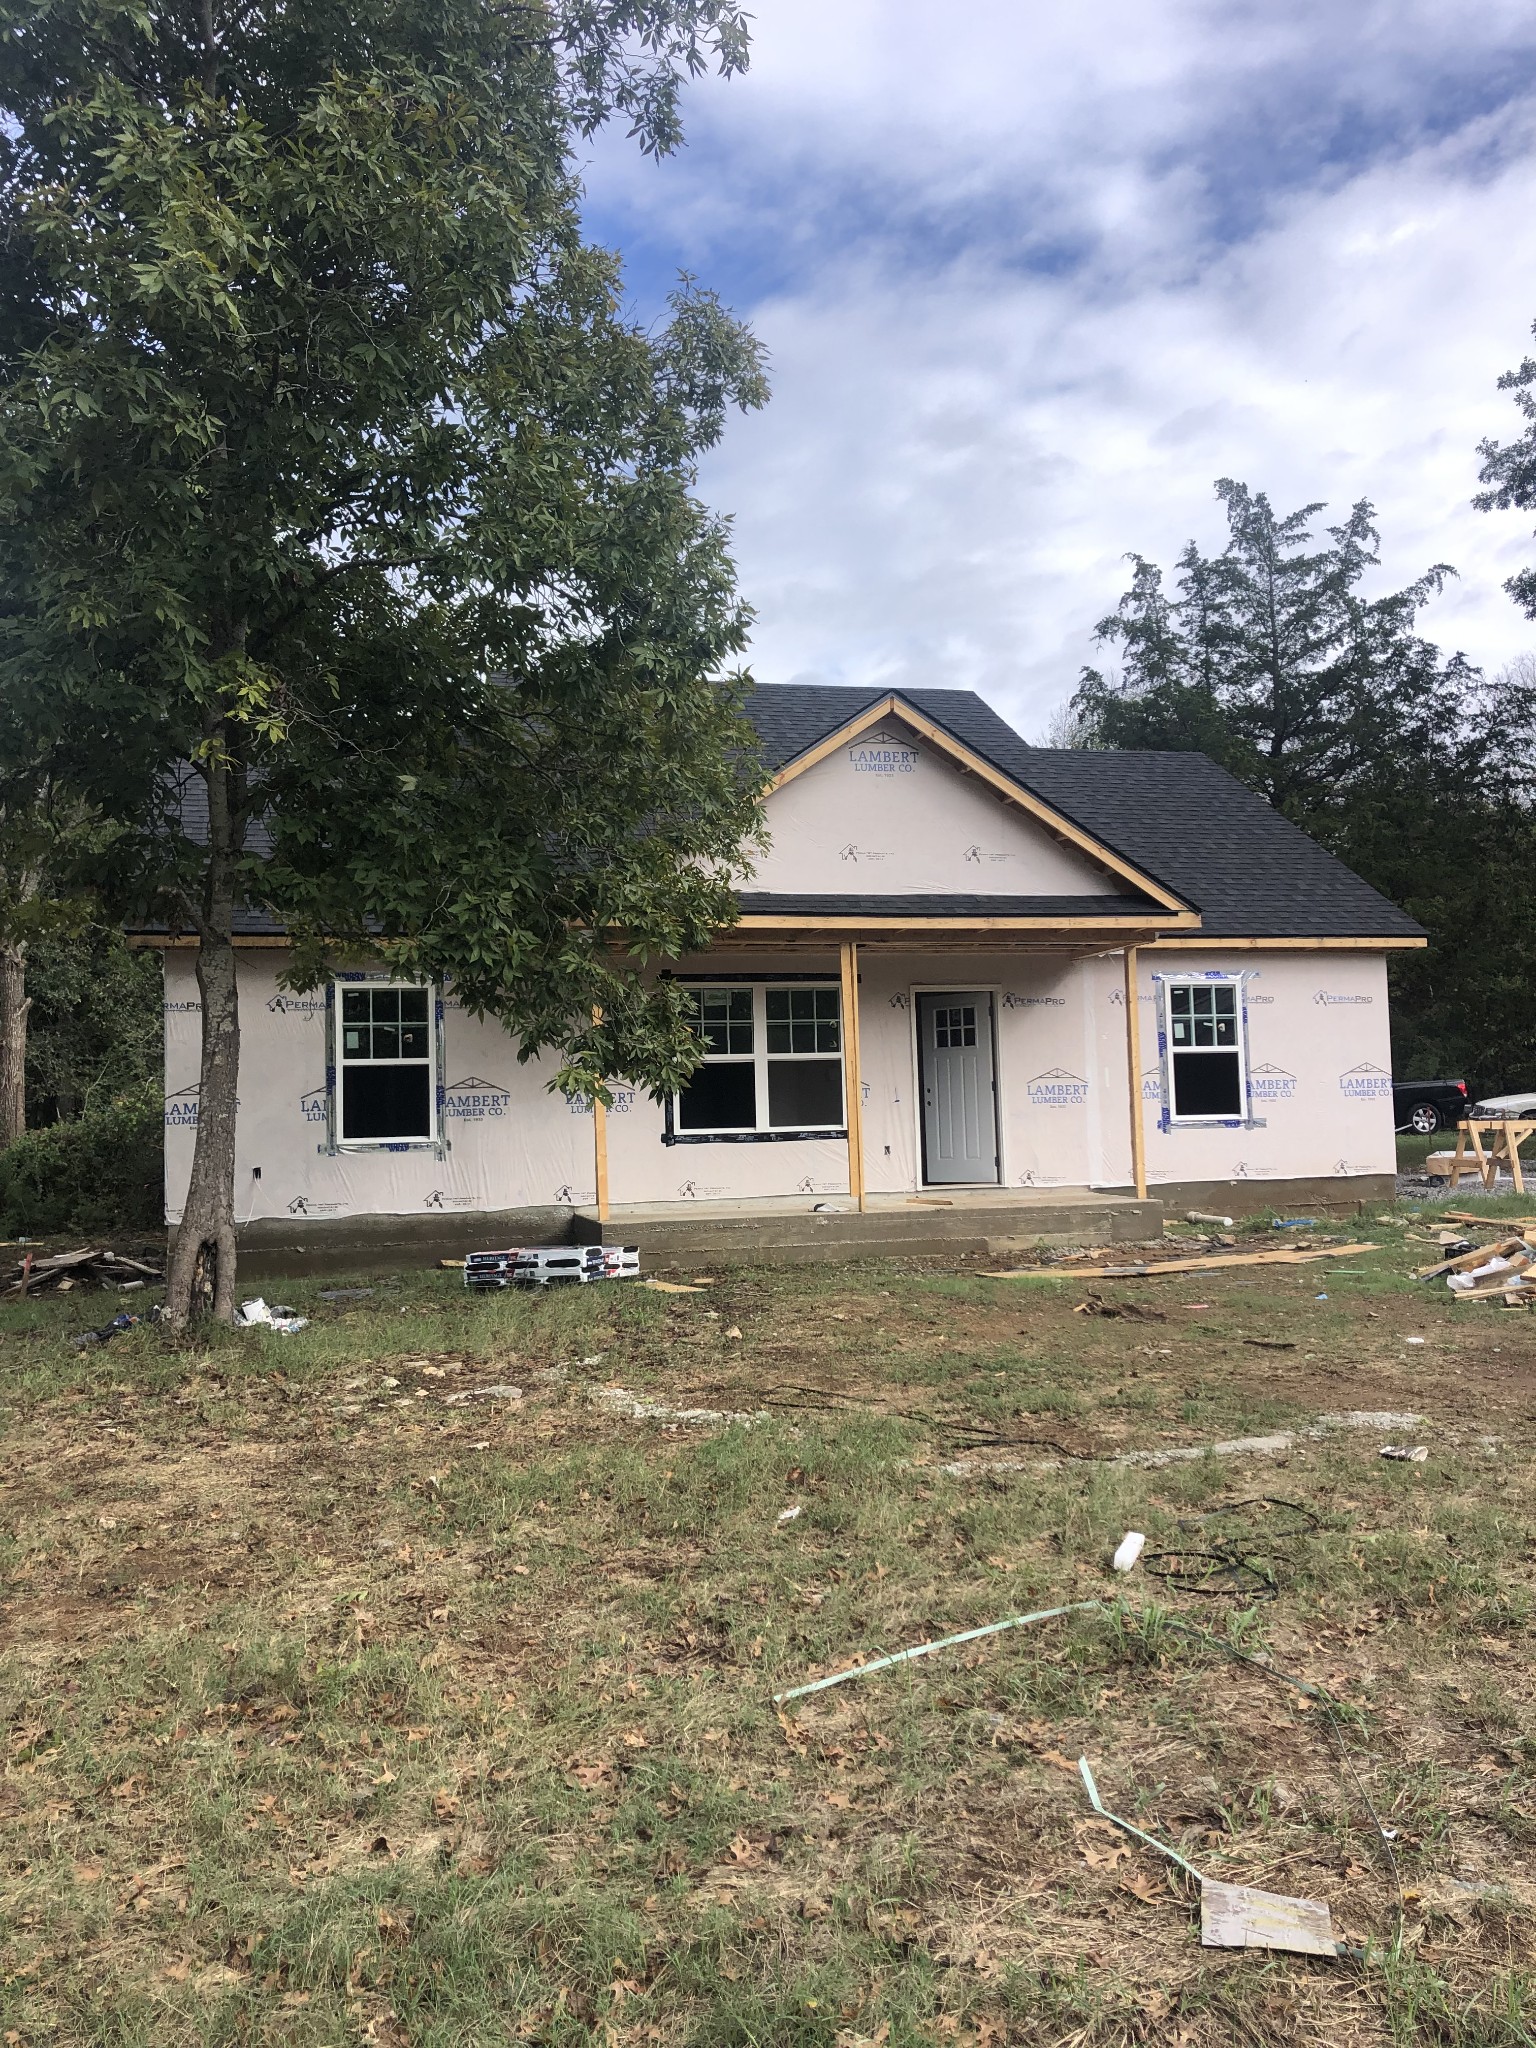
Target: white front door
(959,1099)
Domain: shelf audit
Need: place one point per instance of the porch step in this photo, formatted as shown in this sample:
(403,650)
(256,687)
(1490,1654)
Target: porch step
(779,1233)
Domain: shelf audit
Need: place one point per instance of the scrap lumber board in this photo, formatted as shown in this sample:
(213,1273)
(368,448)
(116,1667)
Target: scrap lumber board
(1489,1222)
(1206,1265)
(1480,1254)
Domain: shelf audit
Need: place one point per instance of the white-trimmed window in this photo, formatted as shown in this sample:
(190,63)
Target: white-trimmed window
(773,1061)
(385,1064)
(1207,1074)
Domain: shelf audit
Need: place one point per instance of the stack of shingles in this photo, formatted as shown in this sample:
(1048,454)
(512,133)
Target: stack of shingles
(66,1270)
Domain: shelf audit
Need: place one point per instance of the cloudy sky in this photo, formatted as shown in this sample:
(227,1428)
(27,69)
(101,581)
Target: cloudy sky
(1033,273)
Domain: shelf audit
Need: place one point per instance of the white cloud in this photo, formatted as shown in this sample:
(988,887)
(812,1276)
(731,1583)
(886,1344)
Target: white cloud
(1034,285)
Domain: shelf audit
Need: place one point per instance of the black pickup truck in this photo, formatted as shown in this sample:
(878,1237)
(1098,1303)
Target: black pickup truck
(1426,1106)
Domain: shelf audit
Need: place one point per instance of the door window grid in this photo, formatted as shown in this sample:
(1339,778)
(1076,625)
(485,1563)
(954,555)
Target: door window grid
(385,1064)
(1206,1053)
(773,1062)
(955,1027)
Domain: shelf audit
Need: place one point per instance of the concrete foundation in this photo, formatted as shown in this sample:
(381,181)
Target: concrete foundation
(1319,1195)
(780,1230)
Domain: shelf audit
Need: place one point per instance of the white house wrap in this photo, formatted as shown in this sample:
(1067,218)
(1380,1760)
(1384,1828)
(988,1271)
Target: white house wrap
(927,988)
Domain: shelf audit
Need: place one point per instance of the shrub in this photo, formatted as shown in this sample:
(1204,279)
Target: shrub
(100,1172)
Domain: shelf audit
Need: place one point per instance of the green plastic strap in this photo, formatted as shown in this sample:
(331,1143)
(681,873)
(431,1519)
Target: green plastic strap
(1151,1841)
(969,1635)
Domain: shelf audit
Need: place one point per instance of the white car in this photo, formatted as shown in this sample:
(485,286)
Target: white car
(1518,1108)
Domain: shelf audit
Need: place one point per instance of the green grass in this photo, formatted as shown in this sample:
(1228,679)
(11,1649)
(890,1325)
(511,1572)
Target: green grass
(340,1715)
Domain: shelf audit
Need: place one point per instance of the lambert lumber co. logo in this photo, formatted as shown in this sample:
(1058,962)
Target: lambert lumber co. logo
(1272,1084)
(1057,1089)
(438,1200)
(1152,1085)
(305,1205)
(473,1100)
(315,1107)
(181,1109)
(1366,1083)
(882,753)
(623,1102)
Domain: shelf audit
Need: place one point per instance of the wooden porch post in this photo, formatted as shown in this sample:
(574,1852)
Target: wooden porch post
(1133,1062)
(851,1080)
(600,1140)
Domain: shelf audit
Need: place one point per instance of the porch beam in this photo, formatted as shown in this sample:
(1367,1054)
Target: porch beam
(600,1139)
(1133,1063)
(852,1085)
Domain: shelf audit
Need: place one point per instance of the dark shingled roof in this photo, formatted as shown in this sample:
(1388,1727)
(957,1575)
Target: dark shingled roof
(1178,818)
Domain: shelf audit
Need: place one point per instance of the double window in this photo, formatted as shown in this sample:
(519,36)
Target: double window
(1204,1028)
(773,1061)
(386,1068)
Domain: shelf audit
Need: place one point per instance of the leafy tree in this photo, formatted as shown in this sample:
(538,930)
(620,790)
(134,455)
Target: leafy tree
(96,1032)
(1509,471)
(363,573)
(1406,763)
(1268,658)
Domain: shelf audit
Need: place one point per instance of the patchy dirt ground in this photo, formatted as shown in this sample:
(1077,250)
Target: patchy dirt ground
(410,1680)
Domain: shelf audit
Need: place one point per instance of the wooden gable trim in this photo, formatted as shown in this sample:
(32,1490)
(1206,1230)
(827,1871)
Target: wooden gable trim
(971,763)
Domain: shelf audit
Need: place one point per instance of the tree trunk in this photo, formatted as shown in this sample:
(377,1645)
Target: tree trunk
(200,1279)
(14,1005)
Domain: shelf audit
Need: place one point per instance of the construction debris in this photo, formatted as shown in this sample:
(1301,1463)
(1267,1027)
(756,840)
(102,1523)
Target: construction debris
(1233,1915)
(1132,1544)
(1131,1311)
(67,1270)
(1408,1454)
(84,1339)
(969,1635)
(545,1265)
(1237,1916)
(1203,1216)
(1201,1265)
(256,1315)
(1473,1257)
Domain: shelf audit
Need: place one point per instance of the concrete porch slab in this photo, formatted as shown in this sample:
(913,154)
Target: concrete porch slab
(789,1229)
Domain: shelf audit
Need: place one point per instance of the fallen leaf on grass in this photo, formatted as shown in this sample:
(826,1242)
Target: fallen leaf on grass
(1142,1887)
(632,1738)
(589,1776)
(1102,1859)
(444,1804)
(395,1924)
